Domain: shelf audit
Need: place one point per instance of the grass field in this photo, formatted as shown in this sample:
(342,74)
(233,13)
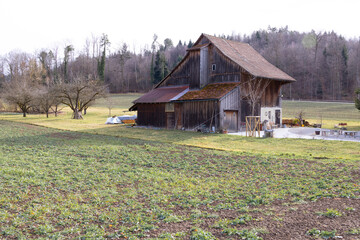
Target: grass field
(328,113)
(64,185)
(81,179)
(94,123)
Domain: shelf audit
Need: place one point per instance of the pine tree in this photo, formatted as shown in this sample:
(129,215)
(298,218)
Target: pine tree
(68,49)
(152,72)
(161,69)
(101,63)
(357,98)
(190,44)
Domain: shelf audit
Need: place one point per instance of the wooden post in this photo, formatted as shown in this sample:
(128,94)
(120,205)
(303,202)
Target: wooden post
(252,126)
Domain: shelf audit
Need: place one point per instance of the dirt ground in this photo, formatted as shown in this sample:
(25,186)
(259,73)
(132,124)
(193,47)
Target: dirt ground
(285,222)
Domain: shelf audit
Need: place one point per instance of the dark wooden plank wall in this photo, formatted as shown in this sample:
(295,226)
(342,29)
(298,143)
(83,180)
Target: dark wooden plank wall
(188,72)
(246,110)
(151,114)
(271,95)
(226,70)
(178,115)
(194,113)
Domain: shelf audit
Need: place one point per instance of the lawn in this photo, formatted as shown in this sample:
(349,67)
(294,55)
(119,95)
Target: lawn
(60,184)
(310,149)
(329,114)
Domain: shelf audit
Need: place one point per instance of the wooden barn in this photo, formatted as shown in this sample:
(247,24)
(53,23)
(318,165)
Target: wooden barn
(212,87)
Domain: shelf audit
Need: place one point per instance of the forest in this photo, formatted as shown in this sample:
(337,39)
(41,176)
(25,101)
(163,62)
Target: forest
(325,64)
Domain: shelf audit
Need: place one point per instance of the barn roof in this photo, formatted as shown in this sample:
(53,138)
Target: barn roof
(163,94)
(243,55)
(211,91)
(248,58)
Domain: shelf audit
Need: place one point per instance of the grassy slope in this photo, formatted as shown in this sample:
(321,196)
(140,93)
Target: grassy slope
(94,123)
(63,184)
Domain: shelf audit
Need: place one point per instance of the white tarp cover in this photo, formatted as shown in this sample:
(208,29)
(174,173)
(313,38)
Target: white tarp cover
(113,120)
(117,120)
(127,117)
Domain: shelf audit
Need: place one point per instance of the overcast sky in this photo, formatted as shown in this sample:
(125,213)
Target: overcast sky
(30,25)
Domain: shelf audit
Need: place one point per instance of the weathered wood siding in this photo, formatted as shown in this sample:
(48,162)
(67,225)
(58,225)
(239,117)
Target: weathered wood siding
(187,72)
(246,110)
(196,69)
(230,102)
(204,66)
(272,95)
(195,113)
(151,114)
(225,69)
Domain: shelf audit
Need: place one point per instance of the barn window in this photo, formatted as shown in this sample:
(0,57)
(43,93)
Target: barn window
(213,67)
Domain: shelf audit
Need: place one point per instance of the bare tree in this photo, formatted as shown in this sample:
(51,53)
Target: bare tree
(110,104)
(46,99)
(253,90)
(79,94)
(2,70)
(20,94)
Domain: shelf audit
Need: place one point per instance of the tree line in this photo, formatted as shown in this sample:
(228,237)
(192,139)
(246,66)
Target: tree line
(325,64)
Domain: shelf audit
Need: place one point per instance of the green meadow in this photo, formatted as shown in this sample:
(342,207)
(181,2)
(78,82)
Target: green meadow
(81,179)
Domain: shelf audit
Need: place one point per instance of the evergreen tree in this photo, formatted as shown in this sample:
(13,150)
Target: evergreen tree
(345,58)
(153,48)
(161,69)
(68,49)
(357,98)
(152,72)
(168,44)
(101,63)
(190,44)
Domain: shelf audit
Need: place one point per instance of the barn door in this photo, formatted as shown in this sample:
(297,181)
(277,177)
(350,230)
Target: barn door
(231,120)
(277,116)
(170,120)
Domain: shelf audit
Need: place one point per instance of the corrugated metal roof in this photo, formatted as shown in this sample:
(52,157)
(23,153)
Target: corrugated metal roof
(163,94)
(211,91)
(249,59)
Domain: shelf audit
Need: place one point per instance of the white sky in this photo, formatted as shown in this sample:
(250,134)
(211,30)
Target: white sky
(30,25)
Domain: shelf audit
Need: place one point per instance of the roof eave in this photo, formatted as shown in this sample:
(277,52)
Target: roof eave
(287,80)
(194,100)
